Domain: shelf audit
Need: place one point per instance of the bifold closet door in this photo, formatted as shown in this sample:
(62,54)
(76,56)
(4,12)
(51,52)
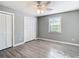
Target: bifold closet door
(5,31)
(2,32)
(9,30)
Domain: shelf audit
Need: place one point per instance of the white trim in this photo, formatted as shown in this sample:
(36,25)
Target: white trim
(24,27)
(13,30)
(13,39)
(18,44)
(74,44)
(23,42)
(7,12)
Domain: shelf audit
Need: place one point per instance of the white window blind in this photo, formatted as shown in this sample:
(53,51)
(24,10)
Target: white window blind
(55,24)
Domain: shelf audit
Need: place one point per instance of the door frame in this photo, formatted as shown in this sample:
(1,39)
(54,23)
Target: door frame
(13,27)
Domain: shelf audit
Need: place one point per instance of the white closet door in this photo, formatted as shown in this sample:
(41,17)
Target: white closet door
(2,32)
(5,31)
(9,30)
(29,28)
(33,27)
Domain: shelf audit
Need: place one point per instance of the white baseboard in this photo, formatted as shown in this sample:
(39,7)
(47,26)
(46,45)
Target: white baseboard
(22,43)
(18,44)
(74,44)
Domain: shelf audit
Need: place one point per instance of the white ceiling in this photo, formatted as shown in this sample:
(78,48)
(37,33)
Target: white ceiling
(27,6)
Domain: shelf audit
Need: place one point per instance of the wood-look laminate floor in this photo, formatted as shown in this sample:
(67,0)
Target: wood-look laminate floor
(41,49)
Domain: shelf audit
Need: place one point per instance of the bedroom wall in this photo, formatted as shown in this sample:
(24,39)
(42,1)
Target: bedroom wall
(19,23)
(69,27)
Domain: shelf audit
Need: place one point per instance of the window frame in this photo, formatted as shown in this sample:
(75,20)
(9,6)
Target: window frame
(49,28)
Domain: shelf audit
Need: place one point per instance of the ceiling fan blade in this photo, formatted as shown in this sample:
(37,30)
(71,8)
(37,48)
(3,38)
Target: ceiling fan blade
(39,2)
(48,2)
(49,9)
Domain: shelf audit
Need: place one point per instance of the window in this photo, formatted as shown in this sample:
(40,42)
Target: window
(55,24)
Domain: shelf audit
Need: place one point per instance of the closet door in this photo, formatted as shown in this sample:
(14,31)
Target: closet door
(5,31)
(9,30)
(2,32)
(29,28)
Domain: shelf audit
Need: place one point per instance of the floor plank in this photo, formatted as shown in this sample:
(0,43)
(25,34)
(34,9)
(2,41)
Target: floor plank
(41,49)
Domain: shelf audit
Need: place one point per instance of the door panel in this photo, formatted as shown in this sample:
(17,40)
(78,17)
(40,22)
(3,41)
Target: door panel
(5,31)
(27,31)
(29,28)
(9,30)
(2,32)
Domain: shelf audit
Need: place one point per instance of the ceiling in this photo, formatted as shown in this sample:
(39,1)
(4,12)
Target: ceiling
(27,6)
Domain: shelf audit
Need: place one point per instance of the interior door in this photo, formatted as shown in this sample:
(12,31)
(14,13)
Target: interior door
(29,28)
(9,30)
(5,31)
(2,32)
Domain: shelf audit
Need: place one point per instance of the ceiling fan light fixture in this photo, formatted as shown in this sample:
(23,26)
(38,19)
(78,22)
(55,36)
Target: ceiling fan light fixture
(39,11)
(40,8)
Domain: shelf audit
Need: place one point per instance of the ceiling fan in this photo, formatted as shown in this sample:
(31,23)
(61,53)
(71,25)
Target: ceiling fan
(42,6)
